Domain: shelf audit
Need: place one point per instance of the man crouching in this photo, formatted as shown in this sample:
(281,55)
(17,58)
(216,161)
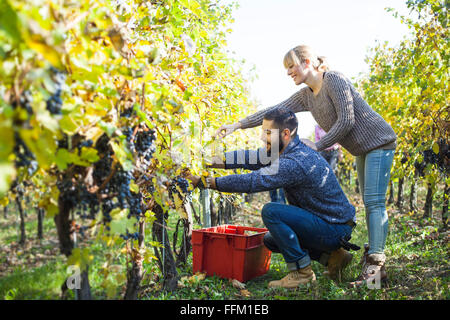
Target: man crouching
(319,216)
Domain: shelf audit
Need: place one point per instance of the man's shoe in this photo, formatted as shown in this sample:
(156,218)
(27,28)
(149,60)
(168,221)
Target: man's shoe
(373,273)
(295,278)
(338,260)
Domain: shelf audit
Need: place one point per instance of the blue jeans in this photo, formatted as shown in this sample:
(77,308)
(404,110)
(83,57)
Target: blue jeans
(374,169)
(300,235)
(277,195)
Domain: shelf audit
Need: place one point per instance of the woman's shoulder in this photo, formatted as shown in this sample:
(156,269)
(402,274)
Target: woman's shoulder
(334,75)
(335,79)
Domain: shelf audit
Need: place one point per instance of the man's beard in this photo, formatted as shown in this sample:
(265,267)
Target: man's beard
(280,145)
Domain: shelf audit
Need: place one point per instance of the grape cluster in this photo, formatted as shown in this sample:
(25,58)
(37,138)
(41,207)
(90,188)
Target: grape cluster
(145,143)
(25,101)
(24,157)
(142,143)
(441,159)
(127,113)
(88,143)
(114,182)
(127,236)
(117,187)
(76,196)
(54,103)
(180,187)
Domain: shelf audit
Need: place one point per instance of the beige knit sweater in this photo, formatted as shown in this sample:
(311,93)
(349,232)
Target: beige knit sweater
(341,111)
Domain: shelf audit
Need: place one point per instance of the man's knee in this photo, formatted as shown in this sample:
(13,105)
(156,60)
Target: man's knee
(269,210)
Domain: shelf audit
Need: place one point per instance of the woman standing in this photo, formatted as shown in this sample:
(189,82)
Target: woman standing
(348,120)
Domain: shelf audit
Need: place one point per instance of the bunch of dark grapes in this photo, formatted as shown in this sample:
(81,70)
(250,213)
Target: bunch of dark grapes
(24,157)
(129,136)
(25,101)
(144,142)
(118,186)
(88,202)
(128,112)
(107,206)
(68,193)
(128,235)
(64,142)
(441,160)
(180,187)
(76,196)
(54,103)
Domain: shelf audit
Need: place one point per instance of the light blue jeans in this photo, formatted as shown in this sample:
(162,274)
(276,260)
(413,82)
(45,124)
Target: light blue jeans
(374,170)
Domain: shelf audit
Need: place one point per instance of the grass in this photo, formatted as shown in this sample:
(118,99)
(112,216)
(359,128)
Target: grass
(417,265)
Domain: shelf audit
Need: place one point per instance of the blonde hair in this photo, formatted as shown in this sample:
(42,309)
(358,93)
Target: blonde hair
(299,54)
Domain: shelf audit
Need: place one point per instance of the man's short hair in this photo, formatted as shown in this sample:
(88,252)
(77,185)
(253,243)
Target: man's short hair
(282,118)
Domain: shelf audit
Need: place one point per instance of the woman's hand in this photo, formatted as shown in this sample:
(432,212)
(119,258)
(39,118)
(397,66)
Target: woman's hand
(309,143)
(227,129)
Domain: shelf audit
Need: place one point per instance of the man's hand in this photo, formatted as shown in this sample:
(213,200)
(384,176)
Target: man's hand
(217,163)
(194,179)
(227,129)
(309,143)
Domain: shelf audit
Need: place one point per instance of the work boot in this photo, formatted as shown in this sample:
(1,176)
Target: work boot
(338,260)
(364,256)
(373,273)
(295,278)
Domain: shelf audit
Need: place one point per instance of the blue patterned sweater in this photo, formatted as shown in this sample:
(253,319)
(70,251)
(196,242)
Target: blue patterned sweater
(307,179)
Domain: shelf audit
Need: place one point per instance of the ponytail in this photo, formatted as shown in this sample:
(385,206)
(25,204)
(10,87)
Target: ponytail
(300,53)
(323,64)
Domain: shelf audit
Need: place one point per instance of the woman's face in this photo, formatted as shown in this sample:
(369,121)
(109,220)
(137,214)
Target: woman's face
(298,73)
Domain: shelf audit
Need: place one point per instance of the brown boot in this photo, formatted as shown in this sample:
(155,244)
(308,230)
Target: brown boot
(295,278)
(364,256)
(338,260)
(373,273)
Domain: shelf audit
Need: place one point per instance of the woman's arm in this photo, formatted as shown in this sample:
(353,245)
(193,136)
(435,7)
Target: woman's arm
(341,96)
(296,103)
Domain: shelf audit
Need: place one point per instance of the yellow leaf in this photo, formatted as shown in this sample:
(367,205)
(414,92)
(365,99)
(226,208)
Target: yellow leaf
(94,133)
(179,206)
(37,43)
(4,201)
(245,293)
(134,187)
(436,148)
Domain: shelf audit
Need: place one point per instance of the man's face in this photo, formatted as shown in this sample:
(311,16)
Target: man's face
(267,133)
(271,135)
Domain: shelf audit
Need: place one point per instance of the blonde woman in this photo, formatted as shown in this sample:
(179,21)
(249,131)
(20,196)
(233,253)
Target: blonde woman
(348,120)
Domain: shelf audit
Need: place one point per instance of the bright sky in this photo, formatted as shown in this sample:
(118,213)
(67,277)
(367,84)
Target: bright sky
(341,30)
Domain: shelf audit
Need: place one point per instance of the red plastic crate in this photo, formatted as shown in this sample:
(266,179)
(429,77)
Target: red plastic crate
(230,252)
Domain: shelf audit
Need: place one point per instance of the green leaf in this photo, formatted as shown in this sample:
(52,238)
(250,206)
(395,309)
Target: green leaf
(68,125)
(123,155)
(89,154)
(194,6)
(9,21)
(42,144)
(7,174)
(120,222)
(63,157)
(80,257)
